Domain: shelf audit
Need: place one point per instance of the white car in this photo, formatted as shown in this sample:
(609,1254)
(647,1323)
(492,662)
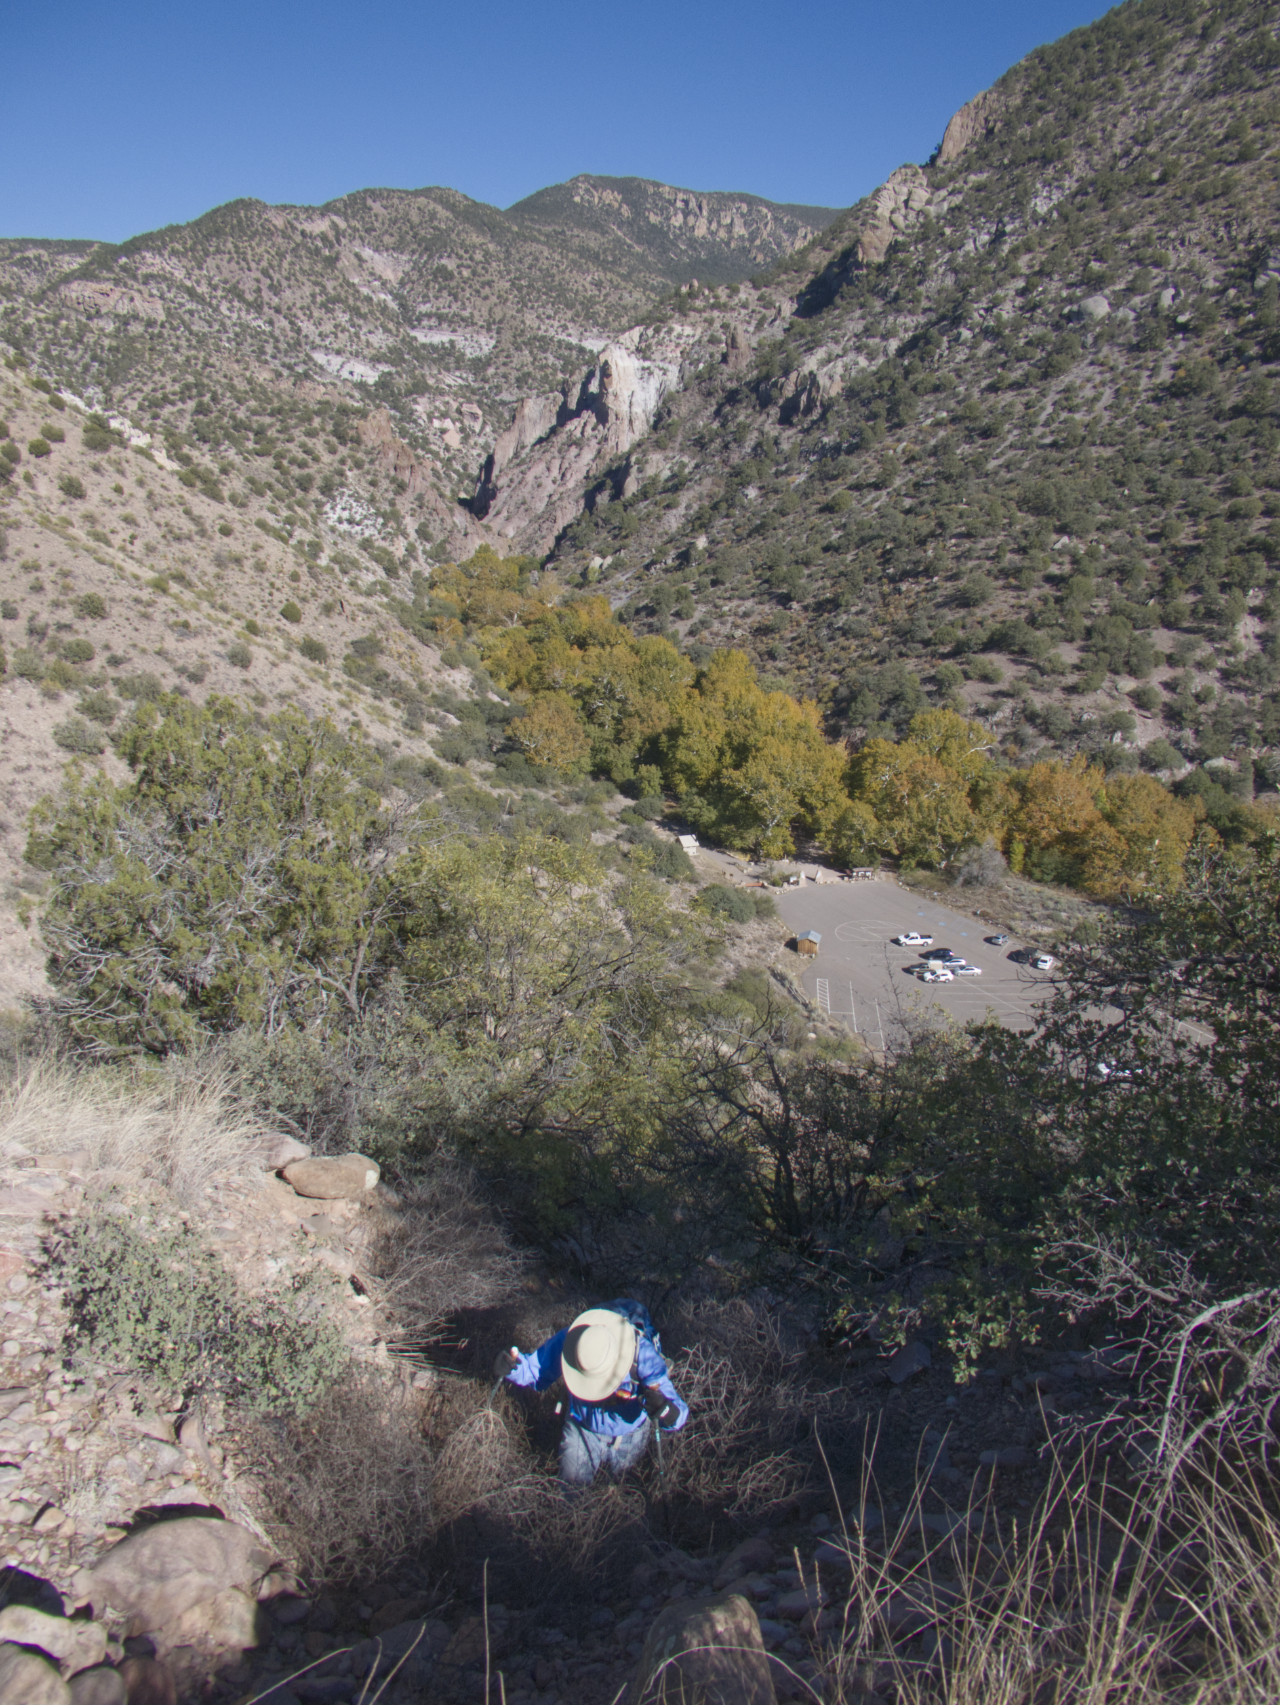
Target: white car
(937,974)
(909,938)
(1043,961)
(968,970)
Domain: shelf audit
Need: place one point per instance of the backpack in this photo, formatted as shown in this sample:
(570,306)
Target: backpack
(638,1316)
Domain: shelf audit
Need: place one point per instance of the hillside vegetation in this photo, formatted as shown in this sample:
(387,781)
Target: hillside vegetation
(1016,450)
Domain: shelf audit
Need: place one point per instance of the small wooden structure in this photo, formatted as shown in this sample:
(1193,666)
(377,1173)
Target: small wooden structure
(688,842)
(808,943)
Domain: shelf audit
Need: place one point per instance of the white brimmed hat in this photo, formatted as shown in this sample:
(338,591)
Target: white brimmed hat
(599,1351)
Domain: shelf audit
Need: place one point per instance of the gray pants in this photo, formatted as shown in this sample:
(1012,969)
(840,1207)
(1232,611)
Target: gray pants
(584,1453)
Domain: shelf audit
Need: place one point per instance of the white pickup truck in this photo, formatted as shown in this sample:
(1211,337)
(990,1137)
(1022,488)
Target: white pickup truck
(909,938)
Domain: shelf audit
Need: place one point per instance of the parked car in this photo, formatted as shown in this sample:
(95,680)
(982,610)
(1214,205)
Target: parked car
(997,940)
(937,974)
(1043,961)
(944,956)
(968,970)
(910,938)
(1109,1071)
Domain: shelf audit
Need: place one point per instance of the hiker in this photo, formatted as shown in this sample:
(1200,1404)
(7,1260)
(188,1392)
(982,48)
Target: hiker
(611,1362)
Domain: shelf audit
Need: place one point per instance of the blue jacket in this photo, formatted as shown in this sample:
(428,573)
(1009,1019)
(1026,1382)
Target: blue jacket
(624,1411)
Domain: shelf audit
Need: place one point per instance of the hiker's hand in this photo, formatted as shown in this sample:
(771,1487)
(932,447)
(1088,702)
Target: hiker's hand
(660,1409)
(504,1363)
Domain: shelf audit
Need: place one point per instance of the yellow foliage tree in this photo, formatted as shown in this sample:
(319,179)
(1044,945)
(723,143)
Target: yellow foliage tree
(551,736)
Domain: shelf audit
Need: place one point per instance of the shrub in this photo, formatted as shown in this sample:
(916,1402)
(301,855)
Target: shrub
(76,735)
(93,606)
(252,629)
(97,435)
(8,609)
(99,707)
(70,486)
(149,1296)
(27,664)
(671,861)
(1146,697)
(1161,755)
(78,651)
(143,686)
(650,808)
(314,650)
(53,433)
(722,901)
(239,654)
(290,611)
(39,447)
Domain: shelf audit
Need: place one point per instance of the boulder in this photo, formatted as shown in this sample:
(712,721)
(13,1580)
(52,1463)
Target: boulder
(710,1651)
(912,1358)
(102,1685)
(75,1645)
(27,1679)
(160,1571)
(279,1151)
(1095,308)
(148,1682)
(746,1559)
(330,1178)
(229,1621)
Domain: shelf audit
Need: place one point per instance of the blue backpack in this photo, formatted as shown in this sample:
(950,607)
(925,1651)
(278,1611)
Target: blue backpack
(638,1315)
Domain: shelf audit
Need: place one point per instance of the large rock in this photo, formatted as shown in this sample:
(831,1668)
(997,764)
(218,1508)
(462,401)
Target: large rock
(26,1679)
(76,1645)
(745,1559)
(148,1682)
(229,1621)
(329,1178)
(156,1574)
(101,1686)
(709,1651)
(279,1150)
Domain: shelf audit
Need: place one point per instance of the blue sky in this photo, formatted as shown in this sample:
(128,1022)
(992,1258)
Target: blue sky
(119,119)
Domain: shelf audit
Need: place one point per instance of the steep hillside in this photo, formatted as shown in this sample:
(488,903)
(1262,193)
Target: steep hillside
(1015,447)
(438,308)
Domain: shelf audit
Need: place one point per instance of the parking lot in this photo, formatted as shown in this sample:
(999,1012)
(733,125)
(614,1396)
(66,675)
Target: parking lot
(860,977)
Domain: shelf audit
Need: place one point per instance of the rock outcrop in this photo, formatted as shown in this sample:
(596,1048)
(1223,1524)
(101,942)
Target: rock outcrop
(974,119)
(712,1652)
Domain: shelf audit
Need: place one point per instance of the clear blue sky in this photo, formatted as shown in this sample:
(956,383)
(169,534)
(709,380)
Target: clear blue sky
(118,119)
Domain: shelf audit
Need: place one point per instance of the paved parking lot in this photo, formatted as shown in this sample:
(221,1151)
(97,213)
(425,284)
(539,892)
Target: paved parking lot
(859,976)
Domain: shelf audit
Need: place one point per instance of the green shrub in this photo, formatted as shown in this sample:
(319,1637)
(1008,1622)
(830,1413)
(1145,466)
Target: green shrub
(252,629)
(672,862)
(10,451)
(78,651)
(314,650)
(650,809)
(39,447)
(8,609)
(97,435)
(99,707)
(28,664)
(60,673)
(70,486)
(722,901)
(55,434)
(239,654)
(152,1298)
(93,606)
(76,735)
(144,686)
(290,611)
(763,905)
(1161,755)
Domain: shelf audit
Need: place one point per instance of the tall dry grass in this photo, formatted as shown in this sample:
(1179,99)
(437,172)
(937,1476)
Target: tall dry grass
(175,1125)
(1102,1595)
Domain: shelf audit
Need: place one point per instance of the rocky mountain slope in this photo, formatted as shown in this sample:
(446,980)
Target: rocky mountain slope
(1004,435)
(437,307)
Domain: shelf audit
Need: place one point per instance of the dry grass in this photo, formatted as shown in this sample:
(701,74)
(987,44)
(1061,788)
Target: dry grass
(442,1251)
(176,1125)
(1101,1596)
